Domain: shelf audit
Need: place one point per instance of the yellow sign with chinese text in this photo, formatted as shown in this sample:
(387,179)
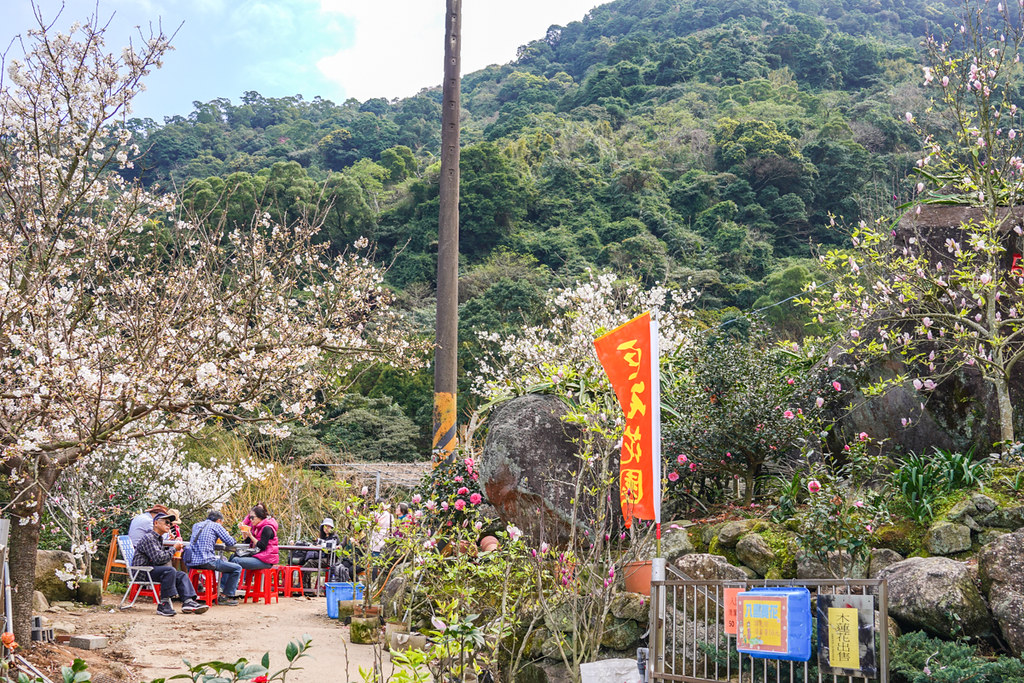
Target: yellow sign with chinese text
(843,641)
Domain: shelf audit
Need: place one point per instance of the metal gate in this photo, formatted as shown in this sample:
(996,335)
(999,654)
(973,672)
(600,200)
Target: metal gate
(688,643)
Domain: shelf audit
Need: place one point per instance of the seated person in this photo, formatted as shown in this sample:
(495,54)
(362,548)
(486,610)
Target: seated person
(326,560)
(143,522)
(202,555)
(150,552)
(261,530)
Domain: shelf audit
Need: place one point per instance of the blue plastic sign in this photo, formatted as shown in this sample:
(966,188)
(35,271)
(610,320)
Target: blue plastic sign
(775,623)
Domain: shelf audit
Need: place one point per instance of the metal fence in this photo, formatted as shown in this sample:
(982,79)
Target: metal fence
(688,643)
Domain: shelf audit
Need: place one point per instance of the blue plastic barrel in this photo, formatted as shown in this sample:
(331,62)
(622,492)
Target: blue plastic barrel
(341,590)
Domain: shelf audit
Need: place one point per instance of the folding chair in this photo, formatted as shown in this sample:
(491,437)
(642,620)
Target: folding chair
(139,580)
(115,566)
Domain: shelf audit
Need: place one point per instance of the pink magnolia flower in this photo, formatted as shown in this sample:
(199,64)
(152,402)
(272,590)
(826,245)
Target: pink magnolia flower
(430,505)
(673,476)
(444,505)
(813,486)
(819,402)
(475,499)
(462,491)
(416,499)
(858,504)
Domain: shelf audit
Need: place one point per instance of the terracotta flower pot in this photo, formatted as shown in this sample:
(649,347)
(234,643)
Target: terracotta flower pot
(637,576)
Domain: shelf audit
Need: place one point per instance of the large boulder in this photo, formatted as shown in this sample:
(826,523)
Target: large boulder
(47,583)
(947,538)
(1004,518)
(840,565)
(631,606)
(753,551)
(1001,570)
(937,595)
(675,542)
(619,634)
(529,467)
(705,567)
(731,533)
(880,559)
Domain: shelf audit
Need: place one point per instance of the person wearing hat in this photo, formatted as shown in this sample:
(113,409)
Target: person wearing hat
(150,552)
(143,522)
(326,539)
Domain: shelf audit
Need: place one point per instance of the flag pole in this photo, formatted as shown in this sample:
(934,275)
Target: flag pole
(656,427)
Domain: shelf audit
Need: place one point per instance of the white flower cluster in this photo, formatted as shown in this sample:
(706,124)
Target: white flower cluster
(544,354)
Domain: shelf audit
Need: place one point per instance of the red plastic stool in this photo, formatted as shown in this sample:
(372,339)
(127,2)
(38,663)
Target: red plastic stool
(261,583)
(209,578)
(138,590)
(286,579)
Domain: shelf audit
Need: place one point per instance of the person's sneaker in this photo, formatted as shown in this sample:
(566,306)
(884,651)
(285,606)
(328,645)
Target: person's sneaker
(192,607)
(227,602)
(164,609)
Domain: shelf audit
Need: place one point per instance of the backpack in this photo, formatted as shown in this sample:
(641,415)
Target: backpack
(298,557)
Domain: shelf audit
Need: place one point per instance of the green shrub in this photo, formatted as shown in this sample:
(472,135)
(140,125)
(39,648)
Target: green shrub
(916,658)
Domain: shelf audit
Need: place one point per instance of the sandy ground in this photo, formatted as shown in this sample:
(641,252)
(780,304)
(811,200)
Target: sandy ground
(144,646)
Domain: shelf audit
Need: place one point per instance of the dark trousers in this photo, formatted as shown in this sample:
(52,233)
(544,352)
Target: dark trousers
(172,583)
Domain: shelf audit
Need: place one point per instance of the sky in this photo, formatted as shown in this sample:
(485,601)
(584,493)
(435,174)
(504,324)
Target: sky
(336,49)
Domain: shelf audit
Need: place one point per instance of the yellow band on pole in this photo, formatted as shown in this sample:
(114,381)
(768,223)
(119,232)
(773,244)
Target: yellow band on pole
(444,426)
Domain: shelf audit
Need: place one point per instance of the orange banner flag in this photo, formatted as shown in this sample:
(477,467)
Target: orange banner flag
(629,355)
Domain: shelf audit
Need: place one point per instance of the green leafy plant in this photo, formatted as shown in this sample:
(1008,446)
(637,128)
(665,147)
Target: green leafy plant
(788,493)
(241,670)
(918,479)
(917,658)
(960,470)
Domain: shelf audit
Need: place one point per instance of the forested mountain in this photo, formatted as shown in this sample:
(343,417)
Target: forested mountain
(699,143)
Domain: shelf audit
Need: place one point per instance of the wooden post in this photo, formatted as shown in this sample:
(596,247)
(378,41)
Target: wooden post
(447,327)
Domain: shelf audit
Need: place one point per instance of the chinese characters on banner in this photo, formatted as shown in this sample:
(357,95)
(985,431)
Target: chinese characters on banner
(629,355)
(846,635)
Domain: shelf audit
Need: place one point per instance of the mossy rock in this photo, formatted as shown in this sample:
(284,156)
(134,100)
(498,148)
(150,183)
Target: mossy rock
(904,536)
(364,630)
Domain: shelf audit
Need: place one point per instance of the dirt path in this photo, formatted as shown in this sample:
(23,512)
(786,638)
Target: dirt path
(153,647)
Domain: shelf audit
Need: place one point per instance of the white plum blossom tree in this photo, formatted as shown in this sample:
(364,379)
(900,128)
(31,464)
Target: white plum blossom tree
(122,318)
(946,301)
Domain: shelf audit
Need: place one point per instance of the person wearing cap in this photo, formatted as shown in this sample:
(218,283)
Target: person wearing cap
(143,522)
(326,539)
(202,555)
(150,552)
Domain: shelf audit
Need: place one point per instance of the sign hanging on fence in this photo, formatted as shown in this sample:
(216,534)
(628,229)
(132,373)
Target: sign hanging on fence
(775,623)
(731,609)
(629,355)
(846,635)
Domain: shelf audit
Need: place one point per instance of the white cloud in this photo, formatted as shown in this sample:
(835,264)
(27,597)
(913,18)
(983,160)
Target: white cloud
(399,44)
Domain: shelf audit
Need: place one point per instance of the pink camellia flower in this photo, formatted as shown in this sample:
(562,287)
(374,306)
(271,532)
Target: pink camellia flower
(475,499)
(837,386)
(790,380)
(693,466)
(416,499)
(858,504)
(813,486)
(457,479)
(869,528)
(681,459)
(462,491)
(460,504)
(789,415)
(673,476)
(846,447)
(863,436)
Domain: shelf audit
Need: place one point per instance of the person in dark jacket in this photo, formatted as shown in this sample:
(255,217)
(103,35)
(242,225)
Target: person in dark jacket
(328,540)
(150,552)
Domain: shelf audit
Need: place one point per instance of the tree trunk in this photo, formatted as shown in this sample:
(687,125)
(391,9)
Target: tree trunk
(1005,407)
(23,543)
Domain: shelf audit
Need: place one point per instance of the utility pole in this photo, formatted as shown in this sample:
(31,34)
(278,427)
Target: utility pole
(447,327)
